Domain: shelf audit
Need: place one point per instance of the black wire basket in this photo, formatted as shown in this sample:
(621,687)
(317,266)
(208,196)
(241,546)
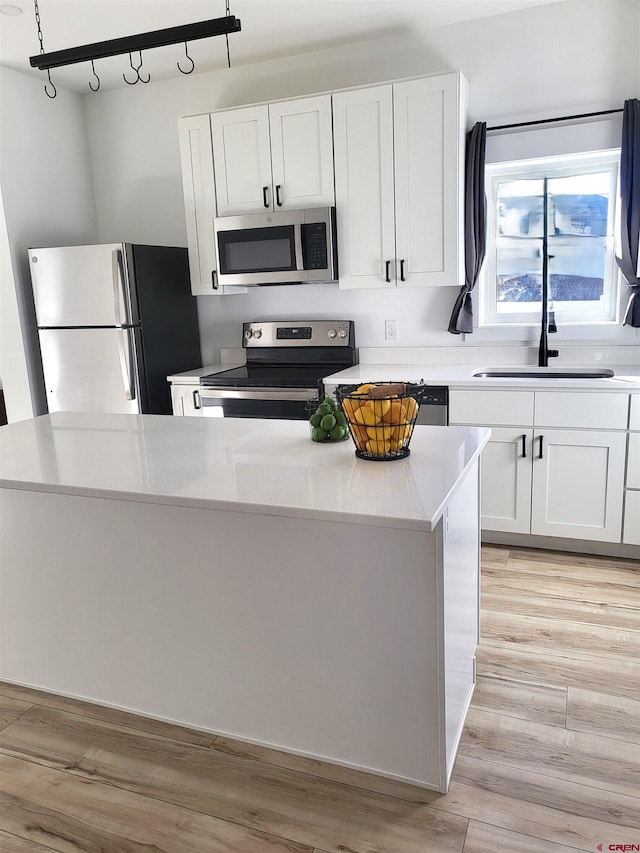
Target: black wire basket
(381,417)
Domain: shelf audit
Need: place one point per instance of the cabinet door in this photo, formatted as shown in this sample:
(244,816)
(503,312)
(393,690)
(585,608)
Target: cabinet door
(185,400)
(242,160)
(578,483)
(505,468)
(196,158)
(631,532)
(302,153)
(363,153)
(429,138)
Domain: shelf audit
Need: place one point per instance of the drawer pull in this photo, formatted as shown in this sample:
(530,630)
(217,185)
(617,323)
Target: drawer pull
(523,439)
(540,439)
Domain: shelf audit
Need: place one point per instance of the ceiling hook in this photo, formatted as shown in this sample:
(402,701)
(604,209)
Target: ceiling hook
(142,80)
(97,78)
(50,83)
(193,65)
(124,76)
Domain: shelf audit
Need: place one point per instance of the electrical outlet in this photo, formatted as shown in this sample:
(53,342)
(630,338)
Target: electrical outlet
(391,330)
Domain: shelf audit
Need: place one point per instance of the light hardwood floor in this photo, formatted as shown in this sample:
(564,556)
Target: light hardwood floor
(549,761)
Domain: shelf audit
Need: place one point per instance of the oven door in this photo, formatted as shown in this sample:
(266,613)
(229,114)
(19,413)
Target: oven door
(286,403)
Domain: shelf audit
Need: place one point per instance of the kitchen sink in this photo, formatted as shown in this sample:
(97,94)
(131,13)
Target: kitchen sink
(545,373)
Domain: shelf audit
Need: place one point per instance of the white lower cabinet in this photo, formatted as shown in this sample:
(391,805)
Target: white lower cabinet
(550,480)
(578,484)
(631,524)
(506,480)
(185,400)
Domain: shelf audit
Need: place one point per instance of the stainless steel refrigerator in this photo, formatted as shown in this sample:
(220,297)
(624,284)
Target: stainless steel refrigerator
(114,320)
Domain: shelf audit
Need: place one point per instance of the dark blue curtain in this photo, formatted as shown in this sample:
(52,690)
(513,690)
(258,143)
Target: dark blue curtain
(475,227)
(630,207)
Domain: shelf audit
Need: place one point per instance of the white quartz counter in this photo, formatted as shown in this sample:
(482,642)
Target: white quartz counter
(626,377)
(259,466)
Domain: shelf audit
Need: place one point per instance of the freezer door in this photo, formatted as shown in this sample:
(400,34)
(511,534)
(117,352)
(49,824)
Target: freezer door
(82,286)
(92,370)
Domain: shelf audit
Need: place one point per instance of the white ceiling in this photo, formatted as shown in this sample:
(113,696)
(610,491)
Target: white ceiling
(270,29)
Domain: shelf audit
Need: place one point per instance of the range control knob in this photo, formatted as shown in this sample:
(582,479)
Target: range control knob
(248,334)
(257,333)
(342,333)
(331,333)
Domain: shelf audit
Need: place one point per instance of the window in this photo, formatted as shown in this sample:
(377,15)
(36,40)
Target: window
(580,196)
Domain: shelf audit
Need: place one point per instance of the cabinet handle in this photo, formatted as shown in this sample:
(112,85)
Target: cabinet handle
(214,280)
(540,439)
(402,278)
(196,399)
(278,188)
(523,439)
(265,200)
(388,269)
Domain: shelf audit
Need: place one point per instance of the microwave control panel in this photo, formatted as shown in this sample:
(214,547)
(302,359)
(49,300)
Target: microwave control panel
(314,246)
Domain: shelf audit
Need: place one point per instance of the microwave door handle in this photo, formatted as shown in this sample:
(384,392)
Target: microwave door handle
(297,236)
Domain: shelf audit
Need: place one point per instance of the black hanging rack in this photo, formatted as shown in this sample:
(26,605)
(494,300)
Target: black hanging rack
(132,44)
(550,120)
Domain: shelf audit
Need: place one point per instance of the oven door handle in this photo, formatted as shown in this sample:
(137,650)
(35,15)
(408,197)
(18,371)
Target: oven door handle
(257,394)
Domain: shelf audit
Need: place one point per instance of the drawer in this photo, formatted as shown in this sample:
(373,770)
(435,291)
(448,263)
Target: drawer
(634,413)
(508,408)
(633,461)
(589,410)
(631,528)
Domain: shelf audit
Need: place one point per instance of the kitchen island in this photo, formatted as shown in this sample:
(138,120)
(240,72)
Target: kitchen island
(233,576)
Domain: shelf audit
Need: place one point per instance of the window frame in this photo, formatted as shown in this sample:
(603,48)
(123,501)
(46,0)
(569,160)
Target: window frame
(567,313)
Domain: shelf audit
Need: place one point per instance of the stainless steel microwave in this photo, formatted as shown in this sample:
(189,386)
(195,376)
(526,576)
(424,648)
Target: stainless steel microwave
(285,247)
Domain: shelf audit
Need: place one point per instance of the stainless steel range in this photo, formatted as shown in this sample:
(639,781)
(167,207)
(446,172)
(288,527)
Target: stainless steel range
(286,362)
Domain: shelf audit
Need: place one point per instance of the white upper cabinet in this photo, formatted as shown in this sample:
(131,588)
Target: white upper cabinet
(274,157)
(365,195)
(198,185)
(399,172)
(194,133)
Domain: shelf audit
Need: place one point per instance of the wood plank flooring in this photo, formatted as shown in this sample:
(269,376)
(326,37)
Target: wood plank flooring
(549,760)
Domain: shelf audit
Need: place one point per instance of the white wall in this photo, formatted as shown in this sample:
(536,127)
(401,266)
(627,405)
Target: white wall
(48,200)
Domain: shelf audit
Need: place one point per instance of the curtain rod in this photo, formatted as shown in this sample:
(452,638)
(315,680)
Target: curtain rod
(549,120)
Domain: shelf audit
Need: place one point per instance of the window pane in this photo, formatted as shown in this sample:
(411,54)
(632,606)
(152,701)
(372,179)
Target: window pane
(519,271)
(520,208)
(577,268)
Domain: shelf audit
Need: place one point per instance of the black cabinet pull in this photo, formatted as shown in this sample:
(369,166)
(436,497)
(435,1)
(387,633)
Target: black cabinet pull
(523,439)
(196,399)
(402,278)
(264,196)
(388,268)
(540,439)
(214,280)
(278,188)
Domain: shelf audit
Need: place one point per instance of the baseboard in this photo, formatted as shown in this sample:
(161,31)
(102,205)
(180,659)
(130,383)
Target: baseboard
(554,543)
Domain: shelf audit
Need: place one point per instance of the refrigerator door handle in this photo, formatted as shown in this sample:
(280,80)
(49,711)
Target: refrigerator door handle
(119,298)
(124,351)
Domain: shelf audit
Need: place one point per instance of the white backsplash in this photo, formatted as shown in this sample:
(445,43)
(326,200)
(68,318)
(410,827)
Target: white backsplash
(487,354)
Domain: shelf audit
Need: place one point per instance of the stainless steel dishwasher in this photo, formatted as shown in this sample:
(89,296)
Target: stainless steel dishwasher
(434,408)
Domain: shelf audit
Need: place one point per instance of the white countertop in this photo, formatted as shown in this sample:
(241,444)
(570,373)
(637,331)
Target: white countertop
(242,465)
(626,378)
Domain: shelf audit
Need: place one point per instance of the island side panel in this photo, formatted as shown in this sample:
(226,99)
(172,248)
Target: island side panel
(460,597)
(318,638)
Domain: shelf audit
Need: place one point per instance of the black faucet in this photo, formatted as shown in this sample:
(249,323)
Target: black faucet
(544,353)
